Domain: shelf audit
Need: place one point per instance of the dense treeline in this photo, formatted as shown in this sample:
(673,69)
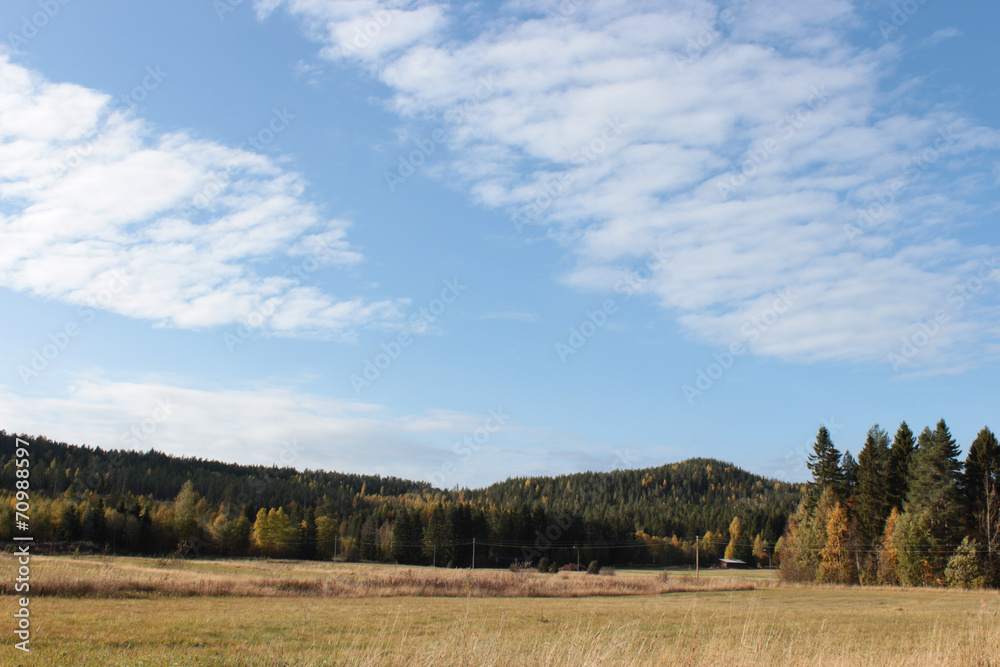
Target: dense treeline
(910,512)
(151,503)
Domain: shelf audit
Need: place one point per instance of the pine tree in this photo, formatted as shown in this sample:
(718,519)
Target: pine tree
(898,467)
(824,463)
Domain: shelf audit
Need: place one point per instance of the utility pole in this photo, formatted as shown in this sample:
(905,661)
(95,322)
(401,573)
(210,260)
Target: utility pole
(473,553)
(335,548)
(435,548)
(577,558)
(697,557)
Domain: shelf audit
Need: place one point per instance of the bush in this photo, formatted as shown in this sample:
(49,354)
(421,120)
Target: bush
(964,569)
(594,567)
(608,571)
(571,567)
(553,568)
(543,564)
(665,575)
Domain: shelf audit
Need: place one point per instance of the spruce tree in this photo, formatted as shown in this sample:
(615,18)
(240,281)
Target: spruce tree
(898,467)
(849,474)
(308,549)
(982,470)
(872,503)
(934,491)
(824,463)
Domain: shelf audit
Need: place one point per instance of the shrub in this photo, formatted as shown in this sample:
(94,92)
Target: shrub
(553,568)
(543,564)
(608,571)
(665,575)
(964,569)
(594,567)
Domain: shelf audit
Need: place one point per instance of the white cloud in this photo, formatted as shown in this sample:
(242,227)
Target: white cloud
(93,200)
(939,36)
(267,425)
(751,141)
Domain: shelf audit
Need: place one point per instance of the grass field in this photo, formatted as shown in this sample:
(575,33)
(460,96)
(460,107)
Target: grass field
(769,624)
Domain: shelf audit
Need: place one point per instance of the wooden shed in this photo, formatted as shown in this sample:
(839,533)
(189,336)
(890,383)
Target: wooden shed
(731,564)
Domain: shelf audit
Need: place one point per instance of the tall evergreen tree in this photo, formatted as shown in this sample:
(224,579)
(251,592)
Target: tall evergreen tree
(824,462)
(872,503)
(934,484)
(407,534)
(982,470)
(307,550)
(849,474)
(898,467)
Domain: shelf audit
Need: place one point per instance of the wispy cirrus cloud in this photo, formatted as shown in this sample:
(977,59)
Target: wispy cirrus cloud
(757,140)
(89,193)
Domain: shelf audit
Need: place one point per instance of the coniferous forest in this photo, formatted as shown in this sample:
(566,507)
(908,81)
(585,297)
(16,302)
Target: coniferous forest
(907,511)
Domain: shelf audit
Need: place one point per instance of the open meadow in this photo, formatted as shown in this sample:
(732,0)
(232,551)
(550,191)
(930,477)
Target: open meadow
(132,611)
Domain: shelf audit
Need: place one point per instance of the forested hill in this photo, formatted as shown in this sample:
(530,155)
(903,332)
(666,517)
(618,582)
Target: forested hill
(149,502)
(58,467)
(674,499)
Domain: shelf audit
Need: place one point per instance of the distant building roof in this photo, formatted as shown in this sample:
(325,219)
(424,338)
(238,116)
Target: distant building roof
(732,561)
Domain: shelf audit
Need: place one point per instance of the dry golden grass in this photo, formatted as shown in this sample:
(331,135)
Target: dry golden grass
(138,577)
(132,611)
(761,627)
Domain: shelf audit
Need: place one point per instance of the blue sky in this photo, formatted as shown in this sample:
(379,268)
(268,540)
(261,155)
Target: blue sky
(464,241)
